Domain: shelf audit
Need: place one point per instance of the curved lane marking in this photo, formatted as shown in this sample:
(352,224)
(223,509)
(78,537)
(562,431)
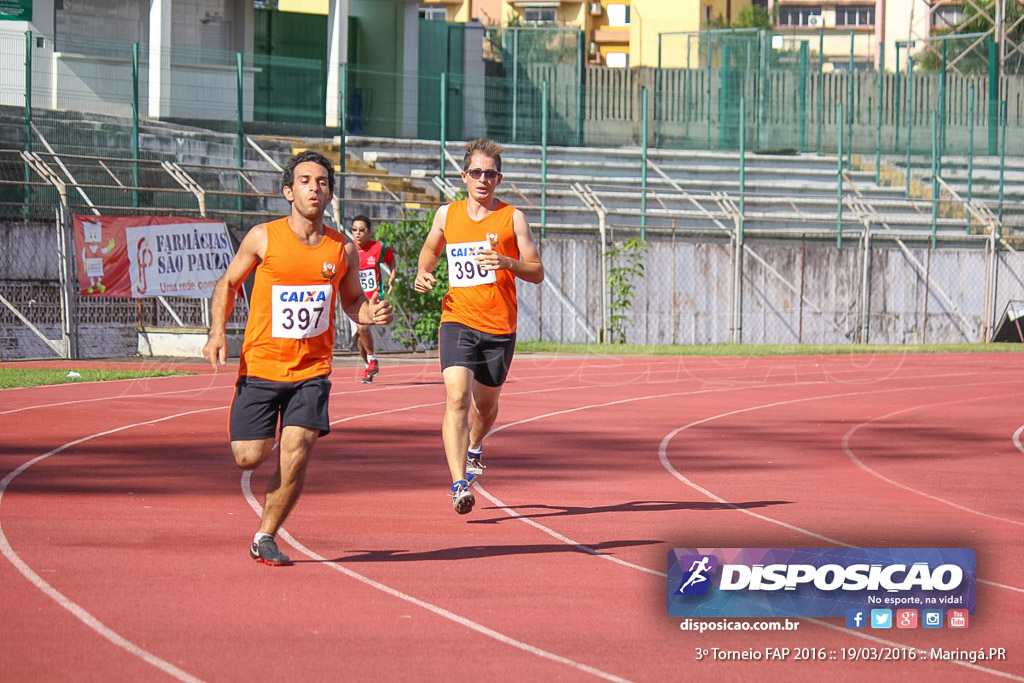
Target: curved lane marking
(662,456)
(857,461)
(79,612)
(430,607)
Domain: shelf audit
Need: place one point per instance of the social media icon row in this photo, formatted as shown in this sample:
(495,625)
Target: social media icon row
(905,618)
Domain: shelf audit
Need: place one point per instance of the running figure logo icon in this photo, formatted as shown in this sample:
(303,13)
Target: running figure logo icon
(695,581)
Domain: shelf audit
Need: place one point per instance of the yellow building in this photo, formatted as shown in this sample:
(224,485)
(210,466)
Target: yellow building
(619,33)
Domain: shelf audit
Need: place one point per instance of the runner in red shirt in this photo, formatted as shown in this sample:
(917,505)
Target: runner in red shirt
(371,255)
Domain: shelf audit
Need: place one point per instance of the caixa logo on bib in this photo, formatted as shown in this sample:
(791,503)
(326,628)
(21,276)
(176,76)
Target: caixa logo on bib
(816,582)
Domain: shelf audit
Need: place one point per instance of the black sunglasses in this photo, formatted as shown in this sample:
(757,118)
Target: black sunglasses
(475,173)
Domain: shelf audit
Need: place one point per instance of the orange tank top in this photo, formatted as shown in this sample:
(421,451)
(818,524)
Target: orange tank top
(484,301)
(289,335)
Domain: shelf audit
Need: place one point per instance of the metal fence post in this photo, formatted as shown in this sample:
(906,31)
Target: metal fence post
(544,159)
(1002,161)
(993,98)
(241,135)
(942,101)
(66,276)
(821,85)
(26,210)
(515,84)
(803,96)
(135,125)
(743,165)
(707,71)
(342,133)
(849,113)
(910,115)
(657,99)
(878,125)
(970,155)
(935,174)
(865,286)
(839,182)
(581,86)
(896,102)
(643,164)
(444,120)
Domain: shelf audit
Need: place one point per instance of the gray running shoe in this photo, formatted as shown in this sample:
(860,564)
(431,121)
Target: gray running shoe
(266,551)
(474,465)
(462,498)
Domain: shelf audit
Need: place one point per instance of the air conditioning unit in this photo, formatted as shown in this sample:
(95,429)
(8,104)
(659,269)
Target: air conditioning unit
(815,21)
(596,9)
(593,49)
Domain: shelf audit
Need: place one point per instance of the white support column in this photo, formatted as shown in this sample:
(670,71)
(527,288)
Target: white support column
(337,54)
(410,94)
(474,124)
(159,57)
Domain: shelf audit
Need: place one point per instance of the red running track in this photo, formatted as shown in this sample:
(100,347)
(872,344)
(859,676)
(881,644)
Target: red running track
(124,524)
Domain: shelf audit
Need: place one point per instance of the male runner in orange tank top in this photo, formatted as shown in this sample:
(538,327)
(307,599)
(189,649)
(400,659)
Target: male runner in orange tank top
(489,245)
(301,266)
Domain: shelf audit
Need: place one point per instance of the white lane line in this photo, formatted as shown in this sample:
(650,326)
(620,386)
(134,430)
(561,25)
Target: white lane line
(1016,438)
(856,461)
(60,404)
(430,607)
(80,613)
(662,456)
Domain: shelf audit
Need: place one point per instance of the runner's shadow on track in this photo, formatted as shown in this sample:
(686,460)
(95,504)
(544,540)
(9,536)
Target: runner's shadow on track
(477,551)
(632,506)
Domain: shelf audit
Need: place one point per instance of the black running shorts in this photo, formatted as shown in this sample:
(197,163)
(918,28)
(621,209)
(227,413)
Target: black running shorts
(260,403)
(487,355)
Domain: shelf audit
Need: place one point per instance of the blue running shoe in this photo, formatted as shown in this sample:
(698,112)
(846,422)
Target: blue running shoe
(462,498)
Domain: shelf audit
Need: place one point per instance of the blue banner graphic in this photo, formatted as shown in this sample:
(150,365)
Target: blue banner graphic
(817,582)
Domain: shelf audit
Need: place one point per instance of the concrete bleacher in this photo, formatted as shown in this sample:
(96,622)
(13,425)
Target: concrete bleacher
(687,189)
(984,173)
(782,191)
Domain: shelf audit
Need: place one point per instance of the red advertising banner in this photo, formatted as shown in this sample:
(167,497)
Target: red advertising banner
(139,256)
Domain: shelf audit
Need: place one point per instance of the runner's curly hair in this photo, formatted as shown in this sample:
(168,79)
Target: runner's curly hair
(289,168)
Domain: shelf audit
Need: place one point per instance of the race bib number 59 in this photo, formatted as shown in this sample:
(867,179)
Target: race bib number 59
(463,270)
(368,279)
(300,311)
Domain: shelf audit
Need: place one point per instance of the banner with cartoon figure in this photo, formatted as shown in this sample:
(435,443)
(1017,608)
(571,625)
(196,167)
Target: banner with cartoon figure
(139,256)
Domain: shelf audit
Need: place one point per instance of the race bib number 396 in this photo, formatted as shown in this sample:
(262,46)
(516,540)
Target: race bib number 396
(300,311)
(463,270)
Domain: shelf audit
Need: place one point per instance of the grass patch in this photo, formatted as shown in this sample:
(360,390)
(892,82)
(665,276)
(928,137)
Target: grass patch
(33,377)
(758,349)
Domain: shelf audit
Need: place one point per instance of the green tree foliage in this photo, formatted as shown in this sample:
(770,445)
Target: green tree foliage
(625,265)
(417,316)
(748,17)
(970,55)
(753,16)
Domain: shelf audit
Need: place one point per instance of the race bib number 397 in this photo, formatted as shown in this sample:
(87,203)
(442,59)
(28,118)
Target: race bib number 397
(463,270)
(300,311)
